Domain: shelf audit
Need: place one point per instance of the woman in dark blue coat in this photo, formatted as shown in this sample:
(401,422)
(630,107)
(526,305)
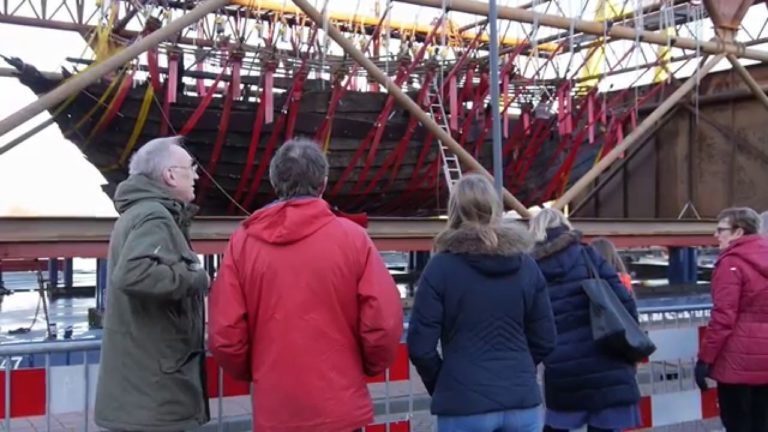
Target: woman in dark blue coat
(582,384)
(484,299)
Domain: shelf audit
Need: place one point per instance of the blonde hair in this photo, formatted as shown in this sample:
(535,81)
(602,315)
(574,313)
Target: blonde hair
(547,218)
(608,251)
(474,203)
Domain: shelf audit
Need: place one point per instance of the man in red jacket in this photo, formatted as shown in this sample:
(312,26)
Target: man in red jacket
(734,351)
(303,305)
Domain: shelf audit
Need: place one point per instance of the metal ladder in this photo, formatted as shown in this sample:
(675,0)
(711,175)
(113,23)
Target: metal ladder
(451,167)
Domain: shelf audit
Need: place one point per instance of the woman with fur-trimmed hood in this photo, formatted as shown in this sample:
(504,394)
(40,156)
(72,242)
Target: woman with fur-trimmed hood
(582,384)
(484,299)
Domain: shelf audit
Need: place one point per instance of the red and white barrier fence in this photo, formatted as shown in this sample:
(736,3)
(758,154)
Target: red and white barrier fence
(666,380)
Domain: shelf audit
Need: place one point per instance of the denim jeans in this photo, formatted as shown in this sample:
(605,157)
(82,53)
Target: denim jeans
(515,420)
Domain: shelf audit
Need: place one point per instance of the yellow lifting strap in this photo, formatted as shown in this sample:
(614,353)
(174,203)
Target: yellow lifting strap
(103,47)
(101,102)
(141,119)
(105,114)
(661,71)
(327,140)
(605,10)
(334,16)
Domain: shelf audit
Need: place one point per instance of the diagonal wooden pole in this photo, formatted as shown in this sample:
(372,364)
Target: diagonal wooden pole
(585,180)
(751,83)
(624,162)
(407,103)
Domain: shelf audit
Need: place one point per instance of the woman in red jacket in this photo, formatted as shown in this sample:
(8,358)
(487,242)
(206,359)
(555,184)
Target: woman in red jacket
(734,351)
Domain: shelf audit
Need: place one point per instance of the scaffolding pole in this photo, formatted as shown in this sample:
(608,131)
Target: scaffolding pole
(498,166)
(751,83)
(597,28)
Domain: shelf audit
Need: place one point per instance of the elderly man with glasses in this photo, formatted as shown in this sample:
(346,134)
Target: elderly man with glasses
(734,351)
(152,357)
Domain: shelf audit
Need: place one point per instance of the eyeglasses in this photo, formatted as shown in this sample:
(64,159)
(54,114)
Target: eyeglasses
(192,167)
(720,230)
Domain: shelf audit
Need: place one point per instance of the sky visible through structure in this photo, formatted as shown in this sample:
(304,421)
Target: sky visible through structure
(48,175)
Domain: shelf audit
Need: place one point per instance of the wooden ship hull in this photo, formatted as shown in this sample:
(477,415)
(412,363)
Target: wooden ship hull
(402,176)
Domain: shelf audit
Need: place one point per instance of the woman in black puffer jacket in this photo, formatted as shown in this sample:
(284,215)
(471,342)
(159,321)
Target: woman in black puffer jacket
(582,384)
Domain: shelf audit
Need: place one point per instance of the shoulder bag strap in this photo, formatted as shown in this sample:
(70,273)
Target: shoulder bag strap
(591,270)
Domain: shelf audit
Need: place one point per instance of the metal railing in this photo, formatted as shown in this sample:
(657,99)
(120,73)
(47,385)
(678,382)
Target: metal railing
(7,352)
(670,375)
(390,408)
(675,375)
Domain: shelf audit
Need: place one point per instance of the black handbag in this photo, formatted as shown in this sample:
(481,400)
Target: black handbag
(614,329)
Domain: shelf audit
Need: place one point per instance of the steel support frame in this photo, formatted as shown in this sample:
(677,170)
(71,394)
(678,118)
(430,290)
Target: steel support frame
(27,238)
(596,28)
(586,180)
(748,80)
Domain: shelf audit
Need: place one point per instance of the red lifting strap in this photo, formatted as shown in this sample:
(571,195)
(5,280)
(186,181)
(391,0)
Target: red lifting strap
(542,132)
(114,107)
(417,176)
(466,91)
(591,116)
(395,157)
(154,70)
(477,146)
(265,158)
(391,100)
(170,91)
(295,98)
(482,91)
(322,134)
(477,104)
(195,117)
(399,78)
(516,145)
(275,136)
(291,104)
(221,137)
(268,99)
(253,146)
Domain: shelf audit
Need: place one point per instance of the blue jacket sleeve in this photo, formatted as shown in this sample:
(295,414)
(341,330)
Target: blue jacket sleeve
(424,331)
(609,274)
(540,330)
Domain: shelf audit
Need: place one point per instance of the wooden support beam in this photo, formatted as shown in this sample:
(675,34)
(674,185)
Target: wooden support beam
(465,158)
(34,237)
(583,182)
(596,28)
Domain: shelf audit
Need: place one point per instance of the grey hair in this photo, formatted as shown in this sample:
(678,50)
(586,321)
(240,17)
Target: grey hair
(299,168)
(153,158)
(741,217)
(764,223)
(547,218)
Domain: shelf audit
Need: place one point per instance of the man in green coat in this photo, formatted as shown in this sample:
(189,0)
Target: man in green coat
(152,374)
